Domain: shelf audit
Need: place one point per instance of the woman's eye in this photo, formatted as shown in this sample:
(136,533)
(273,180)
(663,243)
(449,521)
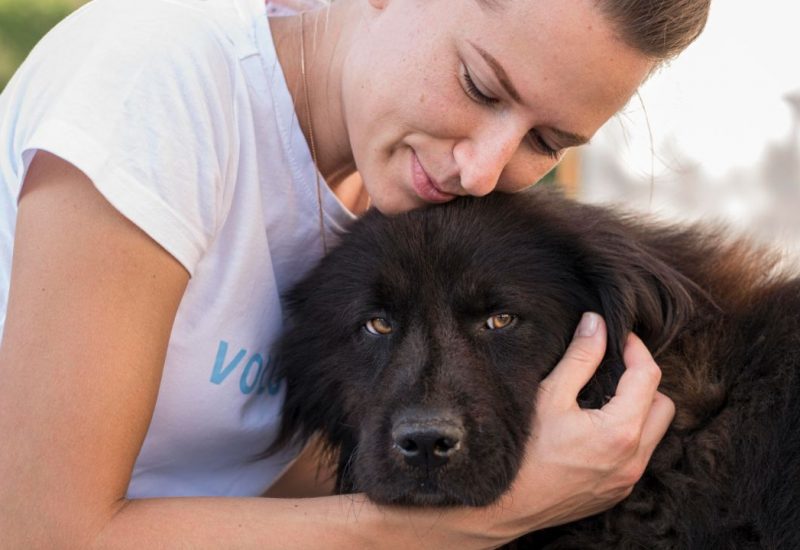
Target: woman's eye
(501,320)
(539,144)
(474,92)
(378,326)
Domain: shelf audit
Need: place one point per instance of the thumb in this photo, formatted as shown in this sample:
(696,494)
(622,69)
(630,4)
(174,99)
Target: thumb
(579,363)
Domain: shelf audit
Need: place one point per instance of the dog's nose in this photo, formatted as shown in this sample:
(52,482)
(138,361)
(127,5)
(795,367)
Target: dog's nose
(425,441)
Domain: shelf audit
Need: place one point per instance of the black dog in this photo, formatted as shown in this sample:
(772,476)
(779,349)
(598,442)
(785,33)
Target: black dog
(417,345)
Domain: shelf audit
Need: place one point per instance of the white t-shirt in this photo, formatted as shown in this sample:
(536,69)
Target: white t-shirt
(178,112)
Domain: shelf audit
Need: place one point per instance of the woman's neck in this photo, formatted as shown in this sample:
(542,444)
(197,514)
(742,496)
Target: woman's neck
(326,48)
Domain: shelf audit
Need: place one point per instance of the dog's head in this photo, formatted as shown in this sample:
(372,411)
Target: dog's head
(418,344)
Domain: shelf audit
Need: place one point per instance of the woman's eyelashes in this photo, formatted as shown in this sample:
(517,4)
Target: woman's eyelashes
(540,144)
(474,92)
(534,138)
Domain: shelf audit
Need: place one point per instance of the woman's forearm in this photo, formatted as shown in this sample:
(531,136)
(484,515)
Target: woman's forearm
(348,521)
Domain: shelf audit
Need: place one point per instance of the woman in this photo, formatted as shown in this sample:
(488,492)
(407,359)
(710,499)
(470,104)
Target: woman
(160,190)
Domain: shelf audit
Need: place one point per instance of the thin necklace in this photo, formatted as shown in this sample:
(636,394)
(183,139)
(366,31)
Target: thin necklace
(311,130)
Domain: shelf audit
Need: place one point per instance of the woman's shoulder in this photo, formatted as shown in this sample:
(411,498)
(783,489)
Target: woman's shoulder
(153,30)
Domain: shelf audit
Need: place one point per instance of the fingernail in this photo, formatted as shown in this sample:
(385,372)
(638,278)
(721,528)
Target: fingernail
(588,325)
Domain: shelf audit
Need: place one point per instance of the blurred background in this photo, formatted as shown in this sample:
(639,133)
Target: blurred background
(715,135)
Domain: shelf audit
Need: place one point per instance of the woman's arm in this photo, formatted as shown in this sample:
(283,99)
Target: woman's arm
(91,306)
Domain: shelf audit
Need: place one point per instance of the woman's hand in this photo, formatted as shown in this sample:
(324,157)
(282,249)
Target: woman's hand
(580,462)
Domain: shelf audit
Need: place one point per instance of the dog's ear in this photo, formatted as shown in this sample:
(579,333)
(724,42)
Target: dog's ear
(635,291)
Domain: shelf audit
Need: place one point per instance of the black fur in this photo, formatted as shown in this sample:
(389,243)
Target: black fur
(724,327)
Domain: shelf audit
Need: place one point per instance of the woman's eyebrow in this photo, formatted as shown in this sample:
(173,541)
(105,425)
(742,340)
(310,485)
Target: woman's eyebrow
(568,139)
(499,72)
(493,6)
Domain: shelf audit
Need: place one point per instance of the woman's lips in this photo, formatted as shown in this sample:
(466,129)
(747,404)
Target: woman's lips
(423,185)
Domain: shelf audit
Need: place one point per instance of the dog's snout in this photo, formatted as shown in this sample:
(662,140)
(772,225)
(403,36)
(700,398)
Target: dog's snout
(427,441)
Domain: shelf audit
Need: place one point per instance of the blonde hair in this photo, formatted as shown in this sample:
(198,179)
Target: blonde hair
(660,29)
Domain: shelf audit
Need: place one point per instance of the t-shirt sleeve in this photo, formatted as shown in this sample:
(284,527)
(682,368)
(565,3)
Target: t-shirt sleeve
(141,101)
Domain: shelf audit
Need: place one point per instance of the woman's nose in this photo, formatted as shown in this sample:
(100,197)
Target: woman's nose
(482,158)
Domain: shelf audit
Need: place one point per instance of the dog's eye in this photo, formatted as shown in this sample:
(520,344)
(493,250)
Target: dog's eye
(501,320)
(379,326)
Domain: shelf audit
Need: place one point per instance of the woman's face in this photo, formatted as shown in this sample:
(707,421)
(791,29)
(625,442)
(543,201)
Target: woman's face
(461,97)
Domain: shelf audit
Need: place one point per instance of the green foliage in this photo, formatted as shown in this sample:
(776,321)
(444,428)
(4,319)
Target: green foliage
(549,178)
(22,24)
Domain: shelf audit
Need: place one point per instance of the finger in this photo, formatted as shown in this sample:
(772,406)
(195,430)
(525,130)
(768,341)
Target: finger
(658,421)
(638,385)
(580,361)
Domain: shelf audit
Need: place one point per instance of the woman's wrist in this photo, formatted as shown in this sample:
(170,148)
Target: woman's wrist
(460,527)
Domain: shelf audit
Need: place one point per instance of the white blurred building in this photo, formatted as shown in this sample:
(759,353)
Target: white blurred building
(721,135)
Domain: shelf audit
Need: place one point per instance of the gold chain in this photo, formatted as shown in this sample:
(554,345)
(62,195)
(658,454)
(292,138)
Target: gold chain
(311,130)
